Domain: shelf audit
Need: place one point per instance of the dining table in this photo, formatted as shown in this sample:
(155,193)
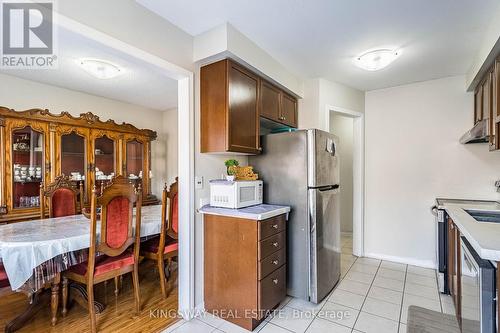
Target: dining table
(35,252)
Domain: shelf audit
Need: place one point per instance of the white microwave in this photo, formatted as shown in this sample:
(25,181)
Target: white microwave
(235,194)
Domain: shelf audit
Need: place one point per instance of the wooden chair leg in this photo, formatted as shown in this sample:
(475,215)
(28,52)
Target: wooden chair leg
(54,302)
(64,296)
(135,279)
(90,295)
(117,285)
(161,270)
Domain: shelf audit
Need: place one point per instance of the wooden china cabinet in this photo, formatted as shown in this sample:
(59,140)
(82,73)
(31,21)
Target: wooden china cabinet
(37,146)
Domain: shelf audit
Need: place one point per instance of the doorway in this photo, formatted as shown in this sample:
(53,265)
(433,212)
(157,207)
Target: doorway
(185,149)
(348,125)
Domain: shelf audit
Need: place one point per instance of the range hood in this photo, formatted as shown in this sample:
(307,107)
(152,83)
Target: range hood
(477,134)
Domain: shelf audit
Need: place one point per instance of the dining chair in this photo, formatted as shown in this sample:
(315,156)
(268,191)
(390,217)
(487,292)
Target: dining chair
(117,246)
(165,246)
(4,282)
(61,196)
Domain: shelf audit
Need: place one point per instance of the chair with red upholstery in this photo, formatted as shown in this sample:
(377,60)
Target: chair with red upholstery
(61,196)
(165,246)
(117,246)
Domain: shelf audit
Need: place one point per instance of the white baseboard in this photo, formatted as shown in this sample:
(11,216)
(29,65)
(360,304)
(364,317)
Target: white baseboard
(403,260)
(200,307)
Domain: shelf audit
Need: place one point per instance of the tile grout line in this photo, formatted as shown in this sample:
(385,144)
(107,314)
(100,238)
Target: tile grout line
(439,293)
(366,296)
(326,300)
(336,286)
(402,299)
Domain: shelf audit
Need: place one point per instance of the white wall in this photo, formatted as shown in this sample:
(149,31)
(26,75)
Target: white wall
(412,157)
(20,94)
(131,23)
(226,41)
(319,94)
(170,133)
(490,39)
(343,127)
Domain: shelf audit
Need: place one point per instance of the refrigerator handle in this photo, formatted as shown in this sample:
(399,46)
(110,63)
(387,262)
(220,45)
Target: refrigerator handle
(329,187)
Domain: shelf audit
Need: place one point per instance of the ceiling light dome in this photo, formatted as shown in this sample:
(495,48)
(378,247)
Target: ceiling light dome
(100,69)
(377,59)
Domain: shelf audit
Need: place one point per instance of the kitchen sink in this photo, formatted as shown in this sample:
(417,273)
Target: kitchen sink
(484,216)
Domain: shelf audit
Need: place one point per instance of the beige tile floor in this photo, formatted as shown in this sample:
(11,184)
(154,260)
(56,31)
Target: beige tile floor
(372,296)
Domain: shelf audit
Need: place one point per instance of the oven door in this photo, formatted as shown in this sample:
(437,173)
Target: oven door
(441,248)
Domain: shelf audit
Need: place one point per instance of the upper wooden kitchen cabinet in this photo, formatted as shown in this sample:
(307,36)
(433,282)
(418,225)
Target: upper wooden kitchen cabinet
(233,99)
(277,105)
(495,101)
(229,109)
(289,110)
(270,101)
(478,104)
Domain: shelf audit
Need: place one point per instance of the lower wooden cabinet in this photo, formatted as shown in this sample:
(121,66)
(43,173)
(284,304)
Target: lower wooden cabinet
(454,266)
(245,268)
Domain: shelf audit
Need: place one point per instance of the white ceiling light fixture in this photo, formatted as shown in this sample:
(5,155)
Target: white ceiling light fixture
(100,69)
(376,59)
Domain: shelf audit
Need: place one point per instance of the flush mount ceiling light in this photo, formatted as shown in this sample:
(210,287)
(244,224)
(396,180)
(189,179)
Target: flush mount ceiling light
(100,69)
(377,59)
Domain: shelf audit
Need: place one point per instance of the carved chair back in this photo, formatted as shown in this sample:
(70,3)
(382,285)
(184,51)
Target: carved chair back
(117,202)
(170,208)
(61,196)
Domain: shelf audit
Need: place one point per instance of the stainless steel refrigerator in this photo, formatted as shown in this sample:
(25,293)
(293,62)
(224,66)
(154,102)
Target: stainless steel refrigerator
(301,169)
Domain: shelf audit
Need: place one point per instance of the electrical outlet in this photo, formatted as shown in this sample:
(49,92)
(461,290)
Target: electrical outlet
(198,183)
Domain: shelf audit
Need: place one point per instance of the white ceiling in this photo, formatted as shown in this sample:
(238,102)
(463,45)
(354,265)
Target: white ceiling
(140,83)
(319,38)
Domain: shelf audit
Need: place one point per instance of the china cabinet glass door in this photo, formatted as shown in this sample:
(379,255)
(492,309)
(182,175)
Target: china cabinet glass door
(28,166)
(135,160)
(105,165)
(74,158)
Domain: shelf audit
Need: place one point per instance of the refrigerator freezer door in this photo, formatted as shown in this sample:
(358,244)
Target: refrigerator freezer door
(322,160)
(325,247)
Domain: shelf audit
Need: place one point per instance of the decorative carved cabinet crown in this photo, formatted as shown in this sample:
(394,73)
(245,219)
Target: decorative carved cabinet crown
(37,146)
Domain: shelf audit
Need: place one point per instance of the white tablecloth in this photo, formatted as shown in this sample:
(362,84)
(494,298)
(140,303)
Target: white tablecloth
(26,245)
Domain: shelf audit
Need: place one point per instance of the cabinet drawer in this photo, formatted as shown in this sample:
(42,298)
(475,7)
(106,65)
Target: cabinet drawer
(271,244)
(272,290)
(271,263)
(271,226)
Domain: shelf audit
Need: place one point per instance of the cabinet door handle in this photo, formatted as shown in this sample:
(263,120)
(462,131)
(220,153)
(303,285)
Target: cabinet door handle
(275,281)
(275,226)
(275,244)
(276,262)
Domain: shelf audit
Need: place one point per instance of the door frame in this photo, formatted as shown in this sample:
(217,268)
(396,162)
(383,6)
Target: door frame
(186,144)
(358,200)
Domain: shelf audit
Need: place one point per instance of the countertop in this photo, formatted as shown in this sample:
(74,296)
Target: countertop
(484,237)
(258,212)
